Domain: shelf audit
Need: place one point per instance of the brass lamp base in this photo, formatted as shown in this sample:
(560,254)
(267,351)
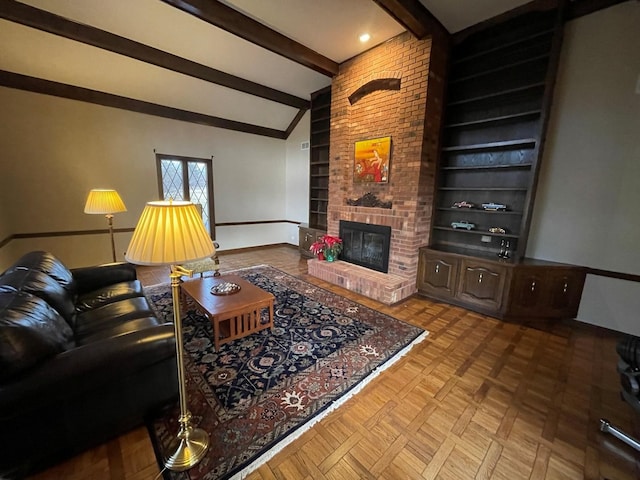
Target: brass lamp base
(193,443)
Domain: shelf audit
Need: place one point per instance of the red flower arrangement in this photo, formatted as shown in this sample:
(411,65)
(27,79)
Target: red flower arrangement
(328,246)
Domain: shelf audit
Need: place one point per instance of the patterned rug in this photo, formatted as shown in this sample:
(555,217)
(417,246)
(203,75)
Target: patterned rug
(259,393)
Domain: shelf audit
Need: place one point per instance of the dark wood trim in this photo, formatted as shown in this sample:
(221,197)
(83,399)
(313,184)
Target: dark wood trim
(629,277)
(296,120)
(580,8)
(545,115)
(259,247)
(6,240)
(48,87)
(257,222)
(222,16)
(414,16)
(55,24)
(71,233)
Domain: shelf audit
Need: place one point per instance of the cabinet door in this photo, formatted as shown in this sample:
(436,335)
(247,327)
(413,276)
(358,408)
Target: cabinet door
(482,284)
(437,274)
(306,236)
(528,292)
(565,291)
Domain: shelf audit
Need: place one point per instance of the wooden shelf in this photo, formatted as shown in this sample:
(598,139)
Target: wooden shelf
(319,145)
(506,66)
(477,232)
(479,210)
(523,40)
(501,118)
(498,93)
(515,166)
(484,189)
(521,142)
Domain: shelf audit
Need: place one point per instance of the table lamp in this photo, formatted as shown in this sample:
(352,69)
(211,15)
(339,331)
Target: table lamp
(105,202)
(172,233)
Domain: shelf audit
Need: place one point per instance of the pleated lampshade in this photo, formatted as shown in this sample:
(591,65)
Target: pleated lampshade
(104,201)
(169,233)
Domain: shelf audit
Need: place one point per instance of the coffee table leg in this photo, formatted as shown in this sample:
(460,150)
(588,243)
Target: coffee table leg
(216,333)
(271,314)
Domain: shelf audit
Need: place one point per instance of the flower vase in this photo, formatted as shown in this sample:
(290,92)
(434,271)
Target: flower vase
(320,256)
(329,257)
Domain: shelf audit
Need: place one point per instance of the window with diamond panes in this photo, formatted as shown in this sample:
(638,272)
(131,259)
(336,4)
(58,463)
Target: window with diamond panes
(184,178)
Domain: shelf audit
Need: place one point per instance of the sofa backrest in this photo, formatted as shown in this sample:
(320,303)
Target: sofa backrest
(47,263)
(30,331)
(41,285)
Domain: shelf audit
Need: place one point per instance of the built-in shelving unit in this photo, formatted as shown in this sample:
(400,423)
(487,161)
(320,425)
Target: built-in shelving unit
(319,158)
(499,86)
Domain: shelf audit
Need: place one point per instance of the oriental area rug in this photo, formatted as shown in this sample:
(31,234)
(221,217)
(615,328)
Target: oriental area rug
(259,393)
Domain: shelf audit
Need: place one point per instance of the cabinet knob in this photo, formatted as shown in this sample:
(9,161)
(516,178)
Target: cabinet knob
(480,278)
(533,286)
(565,287)
(437,268)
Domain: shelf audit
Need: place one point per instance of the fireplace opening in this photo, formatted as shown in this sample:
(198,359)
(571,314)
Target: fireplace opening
(365,245)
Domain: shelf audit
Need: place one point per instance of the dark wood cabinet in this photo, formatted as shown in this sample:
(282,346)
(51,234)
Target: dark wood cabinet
(481,284)
(513,289)
(437,275)
(319,158)
(547,293)
(306,237)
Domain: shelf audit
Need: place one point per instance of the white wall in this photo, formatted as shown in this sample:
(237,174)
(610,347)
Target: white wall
(297,178)
(588,200)
(55,150)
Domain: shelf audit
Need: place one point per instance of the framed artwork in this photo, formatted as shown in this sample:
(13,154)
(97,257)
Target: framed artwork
(371,162)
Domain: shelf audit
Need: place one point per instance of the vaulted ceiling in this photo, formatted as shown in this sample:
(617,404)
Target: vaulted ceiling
(246,65)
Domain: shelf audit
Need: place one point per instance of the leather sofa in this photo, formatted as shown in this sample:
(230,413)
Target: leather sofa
(83,358)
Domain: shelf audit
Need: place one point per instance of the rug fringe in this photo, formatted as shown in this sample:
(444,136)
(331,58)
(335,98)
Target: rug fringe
(264,458)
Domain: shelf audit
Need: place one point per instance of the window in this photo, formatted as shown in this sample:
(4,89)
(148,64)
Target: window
(185,178)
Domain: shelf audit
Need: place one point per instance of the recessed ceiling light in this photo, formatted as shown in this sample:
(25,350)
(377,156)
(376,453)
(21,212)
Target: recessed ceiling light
(365,37)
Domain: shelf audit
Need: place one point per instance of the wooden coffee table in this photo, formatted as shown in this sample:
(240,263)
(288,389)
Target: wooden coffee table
(235,315)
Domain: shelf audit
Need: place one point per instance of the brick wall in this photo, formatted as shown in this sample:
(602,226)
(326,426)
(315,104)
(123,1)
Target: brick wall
(412,117)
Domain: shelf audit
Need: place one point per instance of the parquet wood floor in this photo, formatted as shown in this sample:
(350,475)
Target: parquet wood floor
(478,399)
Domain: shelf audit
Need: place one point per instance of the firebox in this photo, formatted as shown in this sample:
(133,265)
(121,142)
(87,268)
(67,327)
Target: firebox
(365,245)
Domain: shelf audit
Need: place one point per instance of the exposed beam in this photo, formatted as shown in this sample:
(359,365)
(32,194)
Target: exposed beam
(578,8)
(222,16)
(48,87)
(52,23)
(414,17)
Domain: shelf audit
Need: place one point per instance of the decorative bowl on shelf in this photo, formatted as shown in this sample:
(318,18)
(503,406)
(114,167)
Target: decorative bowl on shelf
(498,230)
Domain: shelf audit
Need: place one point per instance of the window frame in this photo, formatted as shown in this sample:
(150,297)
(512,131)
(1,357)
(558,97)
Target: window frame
(185,182)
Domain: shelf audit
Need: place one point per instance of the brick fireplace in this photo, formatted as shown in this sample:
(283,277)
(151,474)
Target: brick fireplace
(411,115)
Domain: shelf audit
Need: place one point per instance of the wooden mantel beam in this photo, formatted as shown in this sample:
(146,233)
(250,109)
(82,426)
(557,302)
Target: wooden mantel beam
(222,16)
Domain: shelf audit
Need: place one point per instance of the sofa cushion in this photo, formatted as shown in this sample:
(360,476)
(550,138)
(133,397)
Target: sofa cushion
(30,331)
(45,262)
(108,294)
(42,285)
(111,315)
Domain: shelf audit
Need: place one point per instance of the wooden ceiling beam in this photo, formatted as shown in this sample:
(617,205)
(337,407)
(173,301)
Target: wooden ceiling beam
(414,17)
(73,92)
(57,25)
(222,16)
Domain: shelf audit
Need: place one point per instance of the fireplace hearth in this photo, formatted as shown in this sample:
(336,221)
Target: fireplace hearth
(366,245)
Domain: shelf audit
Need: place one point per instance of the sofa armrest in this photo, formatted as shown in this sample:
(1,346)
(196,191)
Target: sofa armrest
(98,276)
(86,367)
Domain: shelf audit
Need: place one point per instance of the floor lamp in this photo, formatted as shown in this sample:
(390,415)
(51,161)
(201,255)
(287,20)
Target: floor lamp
(105,202)
(172,233)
